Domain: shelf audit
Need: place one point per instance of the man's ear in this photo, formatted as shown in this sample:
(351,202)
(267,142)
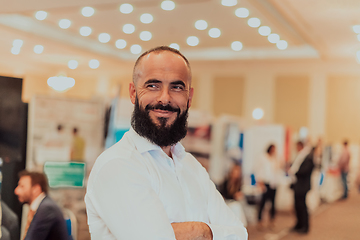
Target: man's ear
(132,92)
(191,93)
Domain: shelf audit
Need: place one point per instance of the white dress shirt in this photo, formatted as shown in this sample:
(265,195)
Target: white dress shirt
(135,191)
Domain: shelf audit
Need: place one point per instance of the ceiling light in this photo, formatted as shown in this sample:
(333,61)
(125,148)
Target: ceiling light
(228,3)
(73,64)
(61,83)
(87,11)
(201,24)
(126,8)
(94,64)
(214,32)
(242,12)
(145,35)
(168,5)
(17,43)
(104,37)
(38,49)
(358,56)
(120,43)
(15,50)
(192,41)
(85,31)
(40,15)
(282,44)
(356,29)
(175,46)
(254,22)
(236,46)
(258,113)
(146,18)
(264,31)
(128,28)
(64,23)
(135,49)
(273,38)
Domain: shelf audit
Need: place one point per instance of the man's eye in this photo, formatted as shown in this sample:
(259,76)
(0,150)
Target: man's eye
(151,86)
(179,87)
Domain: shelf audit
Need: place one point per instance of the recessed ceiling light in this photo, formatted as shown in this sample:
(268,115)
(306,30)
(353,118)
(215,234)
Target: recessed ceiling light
(282,44)
(104,37)
(135,49)
(175,46)
(73,64)
(168,5)
(358,56)
(128,28)
(87,11)
(356,29)
(228,3)
(254,22)
(192,41)
(40,15)
(64,23)
(236,46)
(120,43)
(258,113)
(85,31)
(214,32)
(126,8)
(201,24)
(358,37)
(38,49)
(94,64)
(145,35)
(273,38)
(146,18)
(18,43)
(15,50)
(264,31)
(242,12)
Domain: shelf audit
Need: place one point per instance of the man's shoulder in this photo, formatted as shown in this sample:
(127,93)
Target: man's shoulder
(49,207)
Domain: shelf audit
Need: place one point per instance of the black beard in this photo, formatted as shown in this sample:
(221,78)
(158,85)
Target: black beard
(160,135)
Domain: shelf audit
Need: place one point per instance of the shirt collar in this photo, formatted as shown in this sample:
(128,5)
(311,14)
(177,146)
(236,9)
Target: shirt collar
(144,145)
(35,204)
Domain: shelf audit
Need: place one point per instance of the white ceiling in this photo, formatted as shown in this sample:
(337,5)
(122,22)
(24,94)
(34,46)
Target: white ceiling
(314,29)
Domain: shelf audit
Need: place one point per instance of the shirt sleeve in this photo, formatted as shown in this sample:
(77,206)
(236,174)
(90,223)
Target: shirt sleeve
(127,205)
(223,222)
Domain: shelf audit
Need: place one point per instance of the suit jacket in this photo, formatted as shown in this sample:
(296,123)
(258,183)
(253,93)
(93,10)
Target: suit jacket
(48,223)
(303,175)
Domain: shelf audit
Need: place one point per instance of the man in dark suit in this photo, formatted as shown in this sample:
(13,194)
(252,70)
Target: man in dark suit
(45,220)
(301,187)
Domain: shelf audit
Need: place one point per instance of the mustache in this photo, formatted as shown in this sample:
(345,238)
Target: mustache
(162,107)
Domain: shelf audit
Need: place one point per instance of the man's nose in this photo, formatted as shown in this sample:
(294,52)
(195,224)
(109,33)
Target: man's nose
(164,97)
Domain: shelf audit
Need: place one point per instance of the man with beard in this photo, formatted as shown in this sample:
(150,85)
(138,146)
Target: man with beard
(146,186)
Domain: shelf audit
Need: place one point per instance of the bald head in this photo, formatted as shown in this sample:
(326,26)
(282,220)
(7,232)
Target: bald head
(157,50)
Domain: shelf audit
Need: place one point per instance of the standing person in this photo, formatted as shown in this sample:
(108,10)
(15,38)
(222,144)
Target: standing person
(146,186)
(343,165)
(267,175)
(45,220)
(302,169)
(77,147)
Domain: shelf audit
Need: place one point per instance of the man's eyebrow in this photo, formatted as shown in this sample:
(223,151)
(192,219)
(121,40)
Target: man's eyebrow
(179,82)
(152,81)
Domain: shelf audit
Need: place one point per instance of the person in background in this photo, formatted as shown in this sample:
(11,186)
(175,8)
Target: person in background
(231,187)
(343,165)
(45,220)
(77,147)
(146,186)
(267,177)
(301,170)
